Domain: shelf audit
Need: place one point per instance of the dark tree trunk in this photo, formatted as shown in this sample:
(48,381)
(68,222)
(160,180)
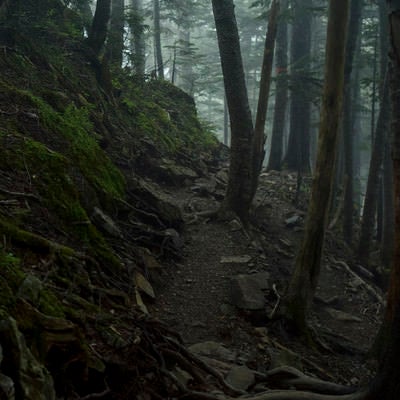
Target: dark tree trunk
(239,191)
(263,97)
(138,45)
(388,209)
(226,123)
(276,154)
(157,40)
(115,42)
(372,193)
(304,280)
(298,154)
(387,386)
(352,35)
(98,31)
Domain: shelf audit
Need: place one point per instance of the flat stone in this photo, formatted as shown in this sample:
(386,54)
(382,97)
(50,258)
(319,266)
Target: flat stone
(30,289)
(213,350)
(105,223)
(247,291)
(240,377)
(244,259)
(293,221)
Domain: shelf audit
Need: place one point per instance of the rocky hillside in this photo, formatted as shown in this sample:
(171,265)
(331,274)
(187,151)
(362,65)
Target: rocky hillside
(83,223)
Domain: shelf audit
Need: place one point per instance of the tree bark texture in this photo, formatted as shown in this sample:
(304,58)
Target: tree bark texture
(157,40)
(138,45)
(238,196)
(298,154)
(99,29)
(373,184)
(304,280)
(281,96)
(263,97)
(115,42)
(348,148)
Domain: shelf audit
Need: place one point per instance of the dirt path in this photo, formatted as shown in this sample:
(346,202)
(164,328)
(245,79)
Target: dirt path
(195,297)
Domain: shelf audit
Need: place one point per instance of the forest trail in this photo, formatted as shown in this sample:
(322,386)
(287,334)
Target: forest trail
(195,296)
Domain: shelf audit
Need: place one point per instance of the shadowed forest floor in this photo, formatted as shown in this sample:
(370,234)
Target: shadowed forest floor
(195,297)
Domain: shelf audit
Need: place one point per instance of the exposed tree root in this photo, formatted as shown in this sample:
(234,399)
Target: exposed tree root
(368,287)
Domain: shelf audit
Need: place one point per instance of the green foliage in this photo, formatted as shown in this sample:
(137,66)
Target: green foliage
(50,305)
(75,126)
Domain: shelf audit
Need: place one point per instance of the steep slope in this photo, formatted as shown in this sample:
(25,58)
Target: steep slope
(80,224)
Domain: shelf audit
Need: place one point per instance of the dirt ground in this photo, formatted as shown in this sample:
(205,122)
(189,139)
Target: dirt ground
(194,297)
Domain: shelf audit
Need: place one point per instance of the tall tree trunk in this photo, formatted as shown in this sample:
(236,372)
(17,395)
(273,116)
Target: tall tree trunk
(98,31)
(386,385)
(348,208)
(372,193)
(263,97)
(115,42)
(138,45)
(238,196)
(276,154)
(185,77)
(157,39)
(305,276)
(388,209)
(298,155)
(226,123)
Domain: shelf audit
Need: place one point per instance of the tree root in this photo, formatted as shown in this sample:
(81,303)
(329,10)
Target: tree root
(368,287)
(289,377)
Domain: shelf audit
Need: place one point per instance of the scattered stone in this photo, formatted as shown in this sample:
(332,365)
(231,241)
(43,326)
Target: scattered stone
(144,285)
(34,380)
(105,223)
(213,350)
(7,389)
(140,303)
(175,237)
(235,225)
(283,252)
(342,316)
(281,358)
(240,377)
(182,376)
(247,291)
(261,331)
(293,221)
(244,259)
(30,289)
(172,173)
(222,176)
(286,243)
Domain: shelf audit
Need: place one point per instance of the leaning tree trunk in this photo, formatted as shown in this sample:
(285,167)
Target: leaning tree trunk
(98,31)
(278,126)
(304,279)
(263,97)
(239,192)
